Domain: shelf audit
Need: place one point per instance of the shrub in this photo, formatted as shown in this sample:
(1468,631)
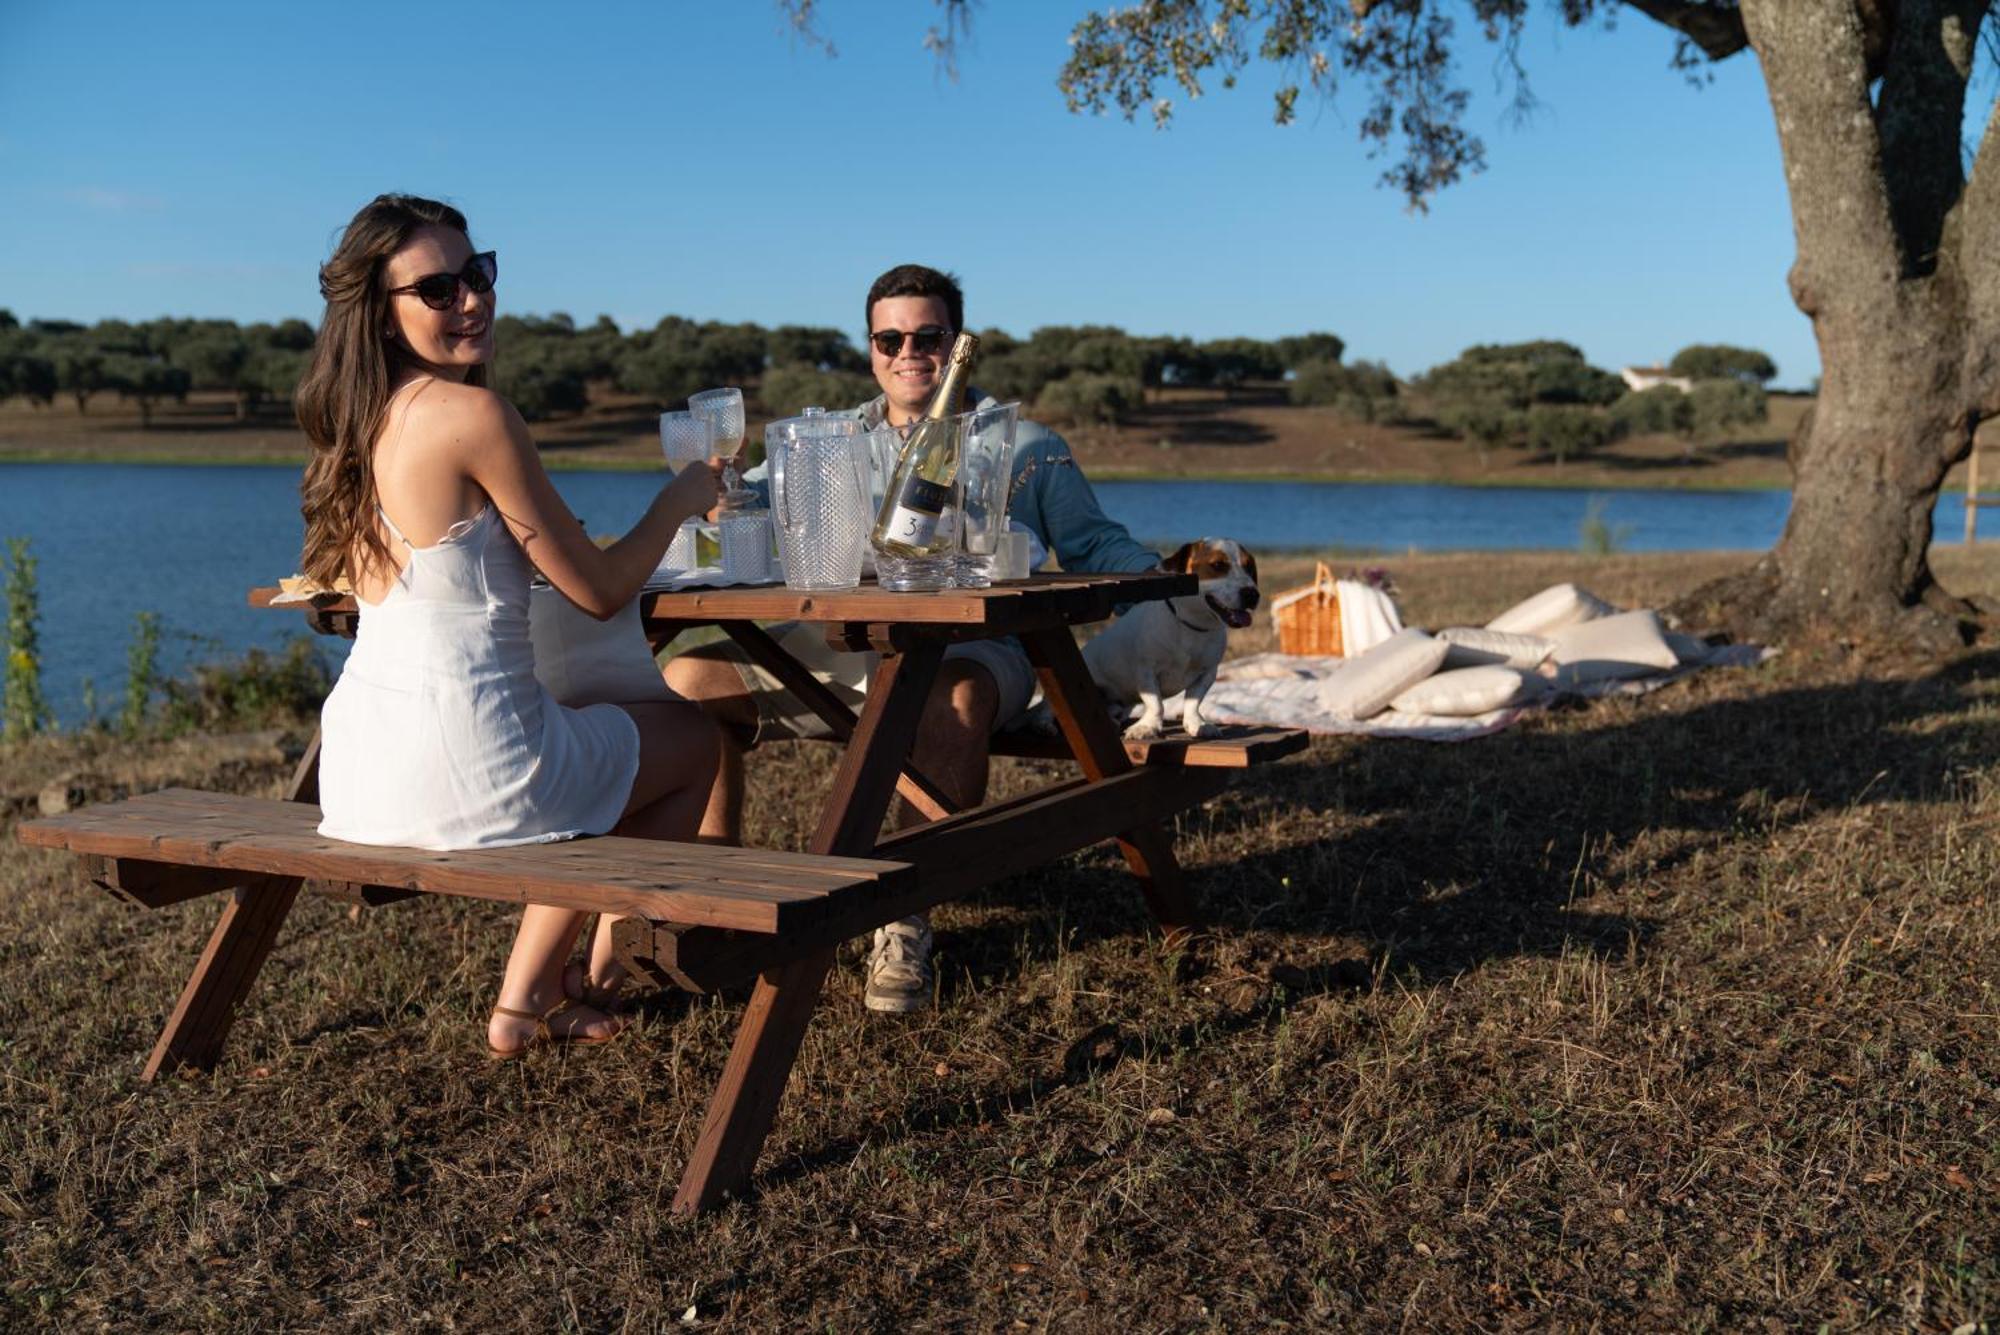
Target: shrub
(257,690)
(1660,410)
(788,390)
(1719,405)
(1486,424)
(1363,392)
(1565,429)
(23,709)
(1101,399)
(1721,361)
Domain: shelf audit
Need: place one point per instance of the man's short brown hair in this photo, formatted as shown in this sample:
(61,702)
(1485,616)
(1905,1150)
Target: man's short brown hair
(917,280)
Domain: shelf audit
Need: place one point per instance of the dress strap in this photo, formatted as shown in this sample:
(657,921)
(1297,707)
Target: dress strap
(394,532)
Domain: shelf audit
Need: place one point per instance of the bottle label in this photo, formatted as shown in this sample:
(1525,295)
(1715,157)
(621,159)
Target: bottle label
(915,518)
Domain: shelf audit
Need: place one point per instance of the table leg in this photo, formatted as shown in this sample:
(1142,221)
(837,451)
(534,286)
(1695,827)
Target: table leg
(200,1021)
(767,1043)
(754,640)
(1079,710)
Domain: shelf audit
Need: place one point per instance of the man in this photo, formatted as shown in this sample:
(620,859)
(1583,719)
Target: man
(913,314)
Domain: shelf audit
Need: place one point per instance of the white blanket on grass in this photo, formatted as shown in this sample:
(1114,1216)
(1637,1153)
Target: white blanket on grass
(1284,690)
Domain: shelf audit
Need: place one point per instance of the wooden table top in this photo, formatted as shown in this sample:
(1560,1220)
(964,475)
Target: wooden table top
(1039,600)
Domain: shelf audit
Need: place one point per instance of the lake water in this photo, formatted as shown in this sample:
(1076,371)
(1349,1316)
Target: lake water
(114,540)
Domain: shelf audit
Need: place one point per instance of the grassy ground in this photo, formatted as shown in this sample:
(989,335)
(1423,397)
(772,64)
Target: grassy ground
(1665,1013)
(1184,433)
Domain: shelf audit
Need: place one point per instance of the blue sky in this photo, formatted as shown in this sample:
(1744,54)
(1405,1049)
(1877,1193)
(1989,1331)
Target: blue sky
(642,159)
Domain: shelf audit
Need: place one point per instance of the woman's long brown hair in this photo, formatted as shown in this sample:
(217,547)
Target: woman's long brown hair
(345,391)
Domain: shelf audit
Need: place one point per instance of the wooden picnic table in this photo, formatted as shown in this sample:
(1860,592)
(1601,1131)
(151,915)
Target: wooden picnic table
(953,851)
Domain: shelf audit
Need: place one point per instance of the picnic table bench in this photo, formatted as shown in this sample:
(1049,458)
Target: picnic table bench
(700,916)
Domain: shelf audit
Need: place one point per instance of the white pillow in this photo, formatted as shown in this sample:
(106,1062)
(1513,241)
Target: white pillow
(1465,692)
(584,661)
(1630,644)
(1472,646)
(1364,686)
(1550,610)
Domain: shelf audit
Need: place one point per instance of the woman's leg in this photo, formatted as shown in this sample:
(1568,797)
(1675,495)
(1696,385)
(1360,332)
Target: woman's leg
(533,982)
(678,752)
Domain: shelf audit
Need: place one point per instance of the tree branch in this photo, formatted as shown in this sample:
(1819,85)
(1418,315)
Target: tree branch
(1972,238)
(1815,68)
(1718,31)
(1926,61)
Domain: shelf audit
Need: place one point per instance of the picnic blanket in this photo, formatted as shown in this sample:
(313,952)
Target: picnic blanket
(1564,642)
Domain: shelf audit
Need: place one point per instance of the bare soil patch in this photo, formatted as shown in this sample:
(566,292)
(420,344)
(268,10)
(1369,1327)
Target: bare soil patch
(1675,1012)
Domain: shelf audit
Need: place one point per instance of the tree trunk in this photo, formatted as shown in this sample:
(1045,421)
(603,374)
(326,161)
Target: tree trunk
(1898,295)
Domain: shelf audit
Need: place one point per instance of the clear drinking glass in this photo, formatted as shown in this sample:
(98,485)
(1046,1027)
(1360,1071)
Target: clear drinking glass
(985,463)
(746,545)
(724,410)
(685,438)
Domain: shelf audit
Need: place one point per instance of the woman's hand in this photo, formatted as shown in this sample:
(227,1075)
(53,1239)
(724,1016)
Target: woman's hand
(695,488)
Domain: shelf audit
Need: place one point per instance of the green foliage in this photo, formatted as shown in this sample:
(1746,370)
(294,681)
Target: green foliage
(79,370)
(1485,424)
(1596,537)
(258,689)
(1363,392)
(1297,350)
(1722,361)
(821,348)
(145,381)
(1661,410)
(788,390)
(1504,393)
(678,357)
(24,711)
(1233,361)
(1720,405)
(1100,399)
(1565,430)
(142,658)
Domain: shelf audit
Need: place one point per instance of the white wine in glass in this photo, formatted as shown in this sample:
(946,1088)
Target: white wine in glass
(724,410)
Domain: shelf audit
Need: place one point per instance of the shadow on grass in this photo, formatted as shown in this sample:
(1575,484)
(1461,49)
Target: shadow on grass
(1445,857)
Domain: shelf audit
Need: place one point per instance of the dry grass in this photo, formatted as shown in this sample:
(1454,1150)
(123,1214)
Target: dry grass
(1674,1012)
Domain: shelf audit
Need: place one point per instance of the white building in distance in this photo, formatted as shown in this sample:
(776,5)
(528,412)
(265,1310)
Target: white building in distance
(1637,378)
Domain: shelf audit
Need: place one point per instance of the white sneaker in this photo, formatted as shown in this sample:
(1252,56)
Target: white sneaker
(899,967)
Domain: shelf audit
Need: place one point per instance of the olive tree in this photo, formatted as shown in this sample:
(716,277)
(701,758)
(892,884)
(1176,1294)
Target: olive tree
(1897,225)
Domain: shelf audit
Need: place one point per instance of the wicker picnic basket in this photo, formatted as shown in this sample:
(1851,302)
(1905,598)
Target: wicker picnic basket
(1308,618)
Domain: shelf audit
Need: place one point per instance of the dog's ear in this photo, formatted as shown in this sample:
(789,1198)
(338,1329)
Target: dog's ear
(1182,559)
(1249,562)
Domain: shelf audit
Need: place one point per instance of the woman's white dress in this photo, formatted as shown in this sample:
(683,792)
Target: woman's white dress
(437,734)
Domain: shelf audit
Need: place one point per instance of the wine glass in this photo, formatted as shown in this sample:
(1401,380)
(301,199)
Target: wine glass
(724,410)
(686,439)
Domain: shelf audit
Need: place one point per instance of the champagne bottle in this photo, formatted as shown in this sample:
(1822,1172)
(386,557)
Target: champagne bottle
(907,525)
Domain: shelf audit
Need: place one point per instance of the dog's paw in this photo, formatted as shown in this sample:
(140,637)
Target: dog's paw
(1198,727)
(1145,730)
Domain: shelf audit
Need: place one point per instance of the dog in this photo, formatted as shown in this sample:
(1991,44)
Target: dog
(1161,649)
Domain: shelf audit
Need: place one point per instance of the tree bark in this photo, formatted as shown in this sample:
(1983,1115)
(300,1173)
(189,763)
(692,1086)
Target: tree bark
(1894,311)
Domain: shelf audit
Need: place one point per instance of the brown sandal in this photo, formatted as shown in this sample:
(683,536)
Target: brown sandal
(545,1036)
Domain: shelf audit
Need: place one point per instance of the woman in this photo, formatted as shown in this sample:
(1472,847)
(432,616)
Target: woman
(425,490)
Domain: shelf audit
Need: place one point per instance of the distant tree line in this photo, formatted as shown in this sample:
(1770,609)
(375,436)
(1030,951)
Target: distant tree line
(147,363)
(1544,396)
(1539,395)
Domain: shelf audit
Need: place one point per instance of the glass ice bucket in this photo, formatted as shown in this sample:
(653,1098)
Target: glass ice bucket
(819,470)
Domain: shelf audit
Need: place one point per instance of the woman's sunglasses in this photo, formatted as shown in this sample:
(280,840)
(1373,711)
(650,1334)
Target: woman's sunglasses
(924,341)
(439,290)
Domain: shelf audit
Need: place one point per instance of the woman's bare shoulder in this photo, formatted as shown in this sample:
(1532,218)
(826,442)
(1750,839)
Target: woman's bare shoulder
(466,416)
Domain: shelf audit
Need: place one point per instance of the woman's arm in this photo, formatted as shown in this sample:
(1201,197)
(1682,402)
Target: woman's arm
(496,452)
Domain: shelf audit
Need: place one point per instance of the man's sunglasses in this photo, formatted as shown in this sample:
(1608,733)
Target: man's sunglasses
(439,290)
(923,342)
